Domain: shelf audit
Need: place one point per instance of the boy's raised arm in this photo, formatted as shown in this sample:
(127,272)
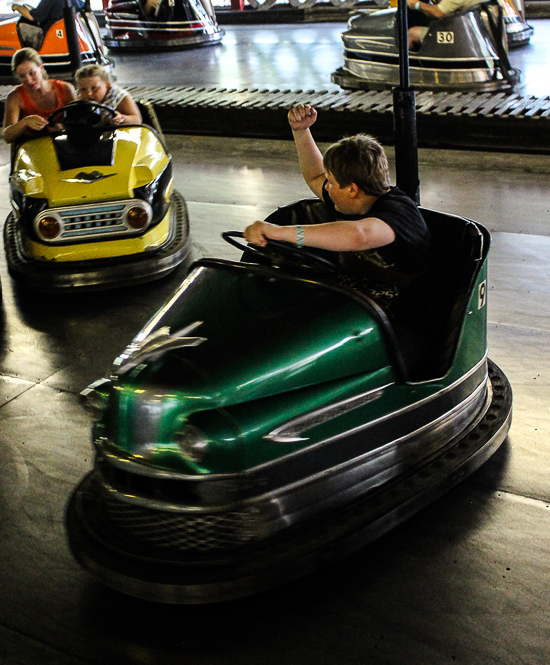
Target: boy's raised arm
(300,118)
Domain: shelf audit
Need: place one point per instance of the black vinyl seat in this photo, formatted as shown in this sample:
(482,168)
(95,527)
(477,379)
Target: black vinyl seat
(460,246)
(148,116)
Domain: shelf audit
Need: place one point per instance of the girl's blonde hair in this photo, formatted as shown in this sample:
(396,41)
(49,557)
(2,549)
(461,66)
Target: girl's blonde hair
(93,70)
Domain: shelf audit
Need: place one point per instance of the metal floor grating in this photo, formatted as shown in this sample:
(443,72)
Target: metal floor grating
(487,121)
(490,121)
(456,103)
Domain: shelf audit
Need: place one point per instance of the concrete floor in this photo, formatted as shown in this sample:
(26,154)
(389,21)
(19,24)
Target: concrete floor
(466,581)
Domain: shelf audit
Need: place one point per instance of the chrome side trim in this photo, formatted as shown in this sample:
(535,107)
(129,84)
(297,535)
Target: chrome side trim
(417,59)
(389,416)
(332,489)
(389,74)
(290,431)
(385,42)
(170,26)
(152,25)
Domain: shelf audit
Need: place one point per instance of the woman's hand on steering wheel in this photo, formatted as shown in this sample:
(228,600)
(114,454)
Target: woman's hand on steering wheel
(35,122)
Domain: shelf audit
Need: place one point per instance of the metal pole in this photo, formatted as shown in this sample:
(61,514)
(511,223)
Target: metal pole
(72,36)
(404,115)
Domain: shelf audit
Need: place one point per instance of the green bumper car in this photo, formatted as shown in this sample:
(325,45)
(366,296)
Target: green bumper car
(266,421)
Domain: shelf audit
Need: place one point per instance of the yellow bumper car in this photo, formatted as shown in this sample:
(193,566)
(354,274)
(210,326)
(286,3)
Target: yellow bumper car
(93,205)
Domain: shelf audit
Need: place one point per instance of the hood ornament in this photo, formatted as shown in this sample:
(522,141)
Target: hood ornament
(154,346)
(92,176)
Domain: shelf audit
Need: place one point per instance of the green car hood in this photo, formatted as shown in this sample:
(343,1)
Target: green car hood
(257,336)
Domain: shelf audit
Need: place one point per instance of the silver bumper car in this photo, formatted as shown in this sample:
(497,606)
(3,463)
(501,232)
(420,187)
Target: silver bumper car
(465,51)
(148,25)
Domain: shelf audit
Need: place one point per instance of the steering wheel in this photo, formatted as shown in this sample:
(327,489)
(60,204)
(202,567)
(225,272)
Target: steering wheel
(81,114)
(282,252)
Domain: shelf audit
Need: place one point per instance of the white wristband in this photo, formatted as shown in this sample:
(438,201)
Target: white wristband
(417,6)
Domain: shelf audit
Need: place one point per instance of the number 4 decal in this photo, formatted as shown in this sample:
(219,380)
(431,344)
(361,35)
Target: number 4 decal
(482,295)
(446,37)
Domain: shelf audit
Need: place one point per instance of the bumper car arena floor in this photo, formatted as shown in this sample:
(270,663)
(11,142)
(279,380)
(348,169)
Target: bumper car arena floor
(465,581)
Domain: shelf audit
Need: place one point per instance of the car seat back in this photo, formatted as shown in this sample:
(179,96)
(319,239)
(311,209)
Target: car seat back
(148,116)
(30,34)
(459,249)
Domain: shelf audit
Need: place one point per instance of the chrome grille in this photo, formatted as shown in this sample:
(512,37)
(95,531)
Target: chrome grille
(85,221)
(184,532)
(107,219)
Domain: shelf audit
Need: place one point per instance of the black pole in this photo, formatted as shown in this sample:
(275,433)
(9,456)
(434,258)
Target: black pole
(72,36)
(404,116)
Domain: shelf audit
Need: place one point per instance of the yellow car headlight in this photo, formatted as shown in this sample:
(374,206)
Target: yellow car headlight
(138,215)
(48,227)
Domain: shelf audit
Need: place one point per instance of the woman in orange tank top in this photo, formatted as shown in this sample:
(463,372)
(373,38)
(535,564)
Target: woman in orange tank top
(29,105)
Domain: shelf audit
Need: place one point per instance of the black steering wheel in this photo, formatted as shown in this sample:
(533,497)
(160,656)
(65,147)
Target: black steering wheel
(81,114)
(282,252)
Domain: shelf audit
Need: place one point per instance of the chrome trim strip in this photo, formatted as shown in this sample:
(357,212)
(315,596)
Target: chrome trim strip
(156,27)
(159,504)
(430,432)
(289,432)
(377,73)
(413,59)
(360,37)
(388,416)
(142,31)
(389,43)
(106,449)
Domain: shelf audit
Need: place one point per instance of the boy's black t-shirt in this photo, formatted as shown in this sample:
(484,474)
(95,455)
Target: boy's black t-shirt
(387,272)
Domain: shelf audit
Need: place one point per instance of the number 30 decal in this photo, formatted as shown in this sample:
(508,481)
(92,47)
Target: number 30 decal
(445,37)
(482,295)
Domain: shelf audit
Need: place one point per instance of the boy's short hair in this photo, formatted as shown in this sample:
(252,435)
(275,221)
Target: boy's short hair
(359,159)
(93,70)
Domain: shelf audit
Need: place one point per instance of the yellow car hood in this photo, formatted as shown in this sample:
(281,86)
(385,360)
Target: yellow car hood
(138,157)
